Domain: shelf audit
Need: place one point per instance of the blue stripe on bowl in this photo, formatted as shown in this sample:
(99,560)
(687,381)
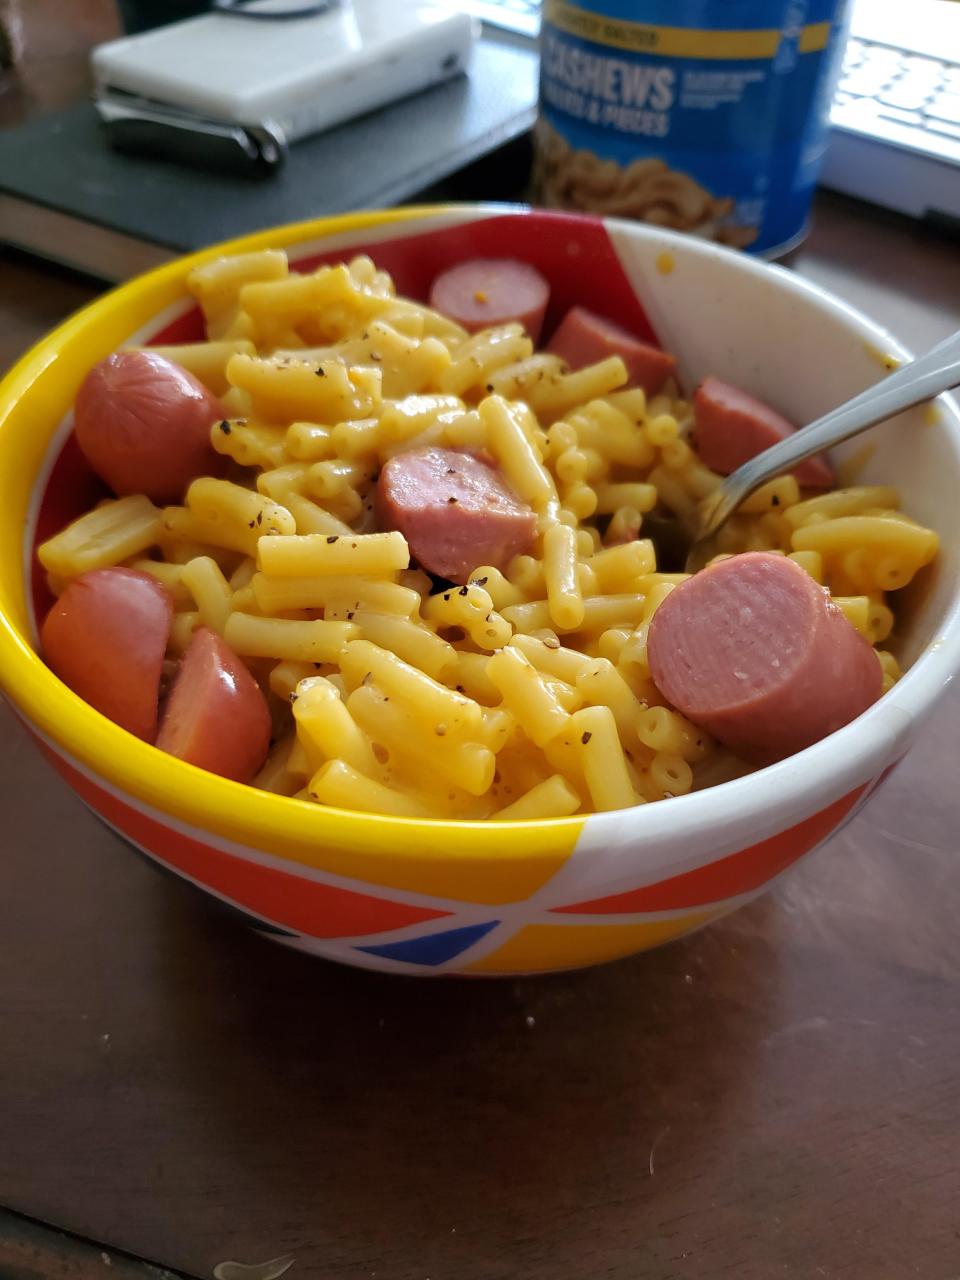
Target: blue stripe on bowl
(432,948)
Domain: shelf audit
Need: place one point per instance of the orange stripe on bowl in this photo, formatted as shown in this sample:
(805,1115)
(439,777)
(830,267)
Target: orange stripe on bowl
(727,877)
(309,907)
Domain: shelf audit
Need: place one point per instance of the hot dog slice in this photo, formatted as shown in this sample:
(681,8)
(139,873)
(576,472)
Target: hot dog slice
(105,637)
(584,338)
(215,715)
(755,652)
(731,427)
(488,291)
(143,424)
(454,510)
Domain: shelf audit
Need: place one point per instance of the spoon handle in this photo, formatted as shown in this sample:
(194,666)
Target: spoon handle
(937,370)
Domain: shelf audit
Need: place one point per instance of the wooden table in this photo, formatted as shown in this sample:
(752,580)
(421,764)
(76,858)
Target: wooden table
(776,1096)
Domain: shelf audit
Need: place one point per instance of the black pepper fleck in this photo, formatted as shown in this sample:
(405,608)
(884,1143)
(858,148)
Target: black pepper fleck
(481,582)
(489,386)
(293,696)
(350,615)
(251,524)
(320,372)
(225,427)
(332,537)
(459,688)
(259,517)
(451,500)
(775,501)
(586,738)
(464,591)
(446,596)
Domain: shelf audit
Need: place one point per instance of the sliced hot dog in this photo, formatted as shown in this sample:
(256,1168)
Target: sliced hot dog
(732,427)
(215,715)
(454,510)
(583,338)
(488,291)
(755,652)
(105,637)
(143,424)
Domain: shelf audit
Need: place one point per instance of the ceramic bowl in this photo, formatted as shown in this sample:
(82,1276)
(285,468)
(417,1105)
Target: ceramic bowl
(448,897)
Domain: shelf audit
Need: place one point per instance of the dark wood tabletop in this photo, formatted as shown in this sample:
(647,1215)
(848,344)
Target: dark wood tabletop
(778,1095)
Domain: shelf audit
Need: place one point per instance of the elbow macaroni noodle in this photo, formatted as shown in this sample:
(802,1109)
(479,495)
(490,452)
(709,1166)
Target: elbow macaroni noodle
(524,694)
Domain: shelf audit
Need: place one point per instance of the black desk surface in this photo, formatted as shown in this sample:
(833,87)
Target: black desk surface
(60,161)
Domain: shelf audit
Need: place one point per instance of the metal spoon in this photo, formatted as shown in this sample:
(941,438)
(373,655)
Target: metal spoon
(937,371)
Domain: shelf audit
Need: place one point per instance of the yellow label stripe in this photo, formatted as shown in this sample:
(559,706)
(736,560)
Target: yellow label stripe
(678,42)
(814,37)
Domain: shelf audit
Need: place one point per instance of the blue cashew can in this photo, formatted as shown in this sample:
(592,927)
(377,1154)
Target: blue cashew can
(706,116)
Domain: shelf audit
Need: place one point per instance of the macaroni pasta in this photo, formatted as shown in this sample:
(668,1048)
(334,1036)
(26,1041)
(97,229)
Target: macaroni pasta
(525,693)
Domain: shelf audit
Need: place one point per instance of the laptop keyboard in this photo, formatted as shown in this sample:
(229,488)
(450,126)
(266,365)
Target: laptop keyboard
(904,88)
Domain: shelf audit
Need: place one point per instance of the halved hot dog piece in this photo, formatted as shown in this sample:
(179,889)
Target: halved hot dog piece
(488,291)
(584,338)
(754,650)
(215,715)
(143,423)
(455,511)
(731,427)
(105,637)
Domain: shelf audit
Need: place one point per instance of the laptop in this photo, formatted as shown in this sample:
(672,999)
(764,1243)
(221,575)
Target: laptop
(895,137)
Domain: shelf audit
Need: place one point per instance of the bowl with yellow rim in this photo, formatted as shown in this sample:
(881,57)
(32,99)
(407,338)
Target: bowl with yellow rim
(483,898)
